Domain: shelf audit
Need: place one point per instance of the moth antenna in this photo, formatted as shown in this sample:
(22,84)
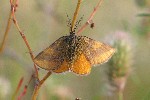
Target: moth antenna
(68,21)
(78,23)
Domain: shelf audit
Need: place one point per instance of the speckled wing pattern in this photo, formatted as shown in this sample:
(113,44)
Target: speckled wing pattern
(96,52)
(53,56)
(74,53)
(91,52)
(80,64)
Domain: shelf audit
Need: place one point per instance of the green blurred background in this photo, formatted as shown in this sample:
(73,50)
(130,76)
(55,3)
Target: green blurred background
(44,21)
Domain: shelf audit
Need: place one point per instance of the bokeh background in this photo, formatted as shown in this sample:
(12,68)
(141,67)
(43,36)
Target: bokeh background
(44,21)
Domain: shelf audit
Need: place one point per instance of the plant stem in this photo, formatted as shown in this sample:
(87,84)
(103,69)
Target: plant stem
(75,14)
(18,87)
(26,42)
(37,88)
(6,30)
(120,95)
(90,18)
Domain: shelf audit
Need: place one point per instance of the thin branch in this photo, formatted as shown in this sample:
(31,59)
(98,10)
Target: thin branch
(12,16)
(7,29)
(23,36)
(75,14)
(24,92)
(18,87)
(25,88)
(37,88)
(88,22)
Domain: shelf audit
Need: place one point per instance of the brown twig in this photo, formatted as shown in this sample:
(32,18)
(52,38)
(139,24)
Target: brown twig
(13,8)
(89,21)
(13,17)
(25,88)
(7,28)
(18,87)
(75,14)
(36,89)
(35,93)
(23,93)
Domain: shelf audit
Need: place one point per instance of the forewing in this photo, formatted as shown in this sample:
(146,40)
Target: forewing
(95,51)
(53,56)
(62,68)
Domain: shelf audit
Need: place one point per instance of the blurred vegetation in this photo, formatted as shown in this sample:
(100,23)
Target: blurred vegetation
(44,21)
(120,64)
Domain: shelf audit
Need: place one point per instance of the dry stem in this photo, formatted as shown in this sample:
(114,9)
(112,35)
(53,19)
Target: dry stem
(18,87)
(25,88)
(23,36)
(23,93)
(13,17)
(90,18)
(7,29)
(36,89)
(75,14)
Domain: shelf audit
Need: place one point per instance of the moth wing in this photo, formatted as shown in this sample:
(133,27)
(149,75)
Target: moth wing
(95,51)
(62,68)
(81,65)
(53,56)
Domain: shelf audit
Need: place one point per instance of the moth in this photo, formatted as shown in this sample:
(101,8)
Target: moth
(74,53)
